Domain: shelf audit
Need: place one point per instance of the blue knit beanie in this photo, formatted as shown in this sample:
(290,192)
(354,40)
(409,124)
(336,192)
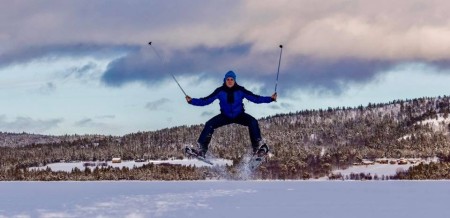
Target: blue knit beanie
(229,74)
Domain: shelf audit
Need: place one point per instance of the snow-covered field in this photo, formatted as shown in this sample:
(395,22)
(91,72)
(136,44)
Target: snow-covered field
(226,199)
(382,169)
(67,167)
(376,169)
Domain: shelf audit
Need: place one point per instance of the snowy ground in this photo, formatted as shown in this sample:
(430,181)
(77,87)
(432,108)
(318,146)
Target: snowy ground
(376,169)
(382,169)
(226,199)
(67,167)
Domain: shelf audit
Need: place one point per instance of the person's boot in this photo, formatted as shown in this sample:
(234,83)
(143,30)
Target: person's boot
(200,150)
(262,150)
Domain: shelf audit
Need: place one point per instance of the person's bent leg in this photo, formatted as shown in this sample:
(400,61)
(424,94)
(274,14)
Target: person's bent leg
(253,128)
(208,130)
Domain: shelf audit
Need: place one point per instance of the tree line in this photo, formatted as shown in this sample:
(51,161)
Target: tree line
(305,144)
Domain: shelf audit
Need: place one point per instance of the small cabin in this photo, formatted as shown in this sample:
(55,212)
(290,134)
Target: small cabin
(116,160)
(383,161)
(368,162)
(402,161)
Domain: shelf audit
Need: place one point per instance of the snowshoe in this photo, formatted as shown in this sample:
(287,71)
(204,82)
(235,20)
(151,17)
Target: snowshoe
(196,153)
(259,156)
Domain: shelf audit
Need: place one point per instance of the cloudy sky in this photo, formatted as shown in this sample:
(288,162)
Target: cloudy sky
(85,67)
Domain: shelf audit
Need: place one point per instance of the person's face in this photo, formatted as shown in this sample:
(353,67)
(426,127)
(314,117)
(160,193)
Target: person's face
(230,82)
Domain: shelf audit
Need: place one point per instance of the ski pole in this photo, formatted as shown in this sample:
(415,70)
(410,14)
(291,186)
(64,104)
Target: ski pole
(160,58)
(278,72)
(178,85)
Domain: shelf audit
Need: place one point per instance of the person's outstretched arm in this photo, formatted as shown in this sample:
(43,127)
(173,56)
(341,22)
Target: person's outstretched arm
(257,98)
(203,101)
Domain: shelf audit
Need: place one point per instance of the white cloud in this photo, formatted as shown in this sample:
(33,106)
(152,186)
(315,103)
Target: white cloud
(47,88)
(329,29)
(329,45)
(27,124)
(157,105)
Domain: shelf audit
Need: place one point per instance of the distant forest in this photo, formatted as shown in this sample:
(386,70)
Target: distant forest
(305,144)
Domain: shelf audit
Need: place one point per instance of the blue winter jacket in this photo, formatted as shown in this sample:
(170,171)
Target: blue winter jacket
(231,99)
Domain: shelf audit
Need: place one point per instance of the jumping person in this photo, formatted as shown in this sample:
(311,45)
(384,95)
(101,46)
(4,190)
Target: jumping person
(231,95)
